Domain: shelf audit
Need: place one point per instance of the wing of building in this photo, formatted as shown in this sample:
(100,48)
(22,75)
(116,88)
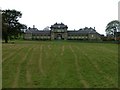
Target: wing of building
(59,31)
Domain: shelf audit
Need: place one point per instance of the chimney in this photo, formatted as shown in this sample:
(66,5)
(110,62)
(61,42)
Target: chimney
(33,26)
(94,28)
(29,28)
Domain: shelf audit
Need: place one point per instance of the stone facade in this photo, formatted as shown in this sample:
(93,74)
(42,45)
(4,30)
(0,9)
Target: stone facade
(59,32)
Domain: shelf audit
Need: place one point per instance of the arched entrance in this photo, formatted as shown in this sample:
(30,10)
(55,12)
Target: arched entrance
(59,37)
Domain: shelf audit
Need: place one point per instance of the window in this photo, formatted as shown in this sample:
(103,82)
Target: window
(58,30)
(92,35)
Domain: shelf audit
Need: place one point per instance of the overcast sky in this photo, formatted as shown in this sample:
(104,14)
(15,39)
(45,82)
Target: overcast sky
(74,13)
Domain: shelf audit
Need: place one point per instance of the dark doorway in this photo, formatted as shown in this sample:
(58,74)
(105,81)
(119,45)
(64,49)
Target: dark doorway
(59,37)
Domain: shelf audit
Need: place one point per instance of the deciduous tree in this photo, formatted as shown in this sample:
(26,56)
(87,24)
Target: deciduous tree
(113,27)
(10,24)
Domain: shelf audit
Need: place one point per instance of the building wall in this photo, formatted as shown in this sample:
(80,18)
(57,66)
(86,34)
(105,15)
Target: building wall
(64,35)
(78,37)
(28,36)
(56,32)
(41,37)
(94,36)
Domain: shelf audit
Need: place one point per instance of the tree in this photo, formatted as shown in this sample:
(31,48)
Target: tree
(112,28)
(10,24)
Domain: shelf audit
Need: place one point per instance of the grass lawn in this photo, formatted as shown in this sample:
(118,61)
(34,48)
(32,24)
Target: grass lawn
(59,64)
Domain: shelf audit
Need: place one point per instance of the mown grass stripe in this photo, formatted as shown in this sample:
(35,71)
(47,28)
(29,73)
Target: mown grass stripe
(82,80)
(32,67)
(11,55)
(15,83)
(9,68)
(5,51)
(23,79)
(40,61)
(98,70)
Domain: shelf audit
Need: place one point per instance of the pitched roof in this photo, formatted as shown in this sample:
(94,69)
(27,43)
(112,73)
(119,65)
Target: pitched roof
(36,31)
(44,32)
(83,31)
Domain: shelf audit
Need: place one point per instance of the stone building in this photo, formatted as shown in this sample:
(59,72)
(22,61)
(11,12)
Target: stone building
(59,31)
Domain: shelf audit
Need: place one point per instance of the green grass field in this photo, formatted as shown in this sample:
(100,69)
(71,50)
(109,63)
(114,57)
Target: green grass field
(59,64)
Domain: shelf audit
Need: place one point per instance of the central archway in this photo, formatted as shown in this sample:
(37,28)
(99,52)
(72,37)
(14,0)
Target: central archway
(59,37)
